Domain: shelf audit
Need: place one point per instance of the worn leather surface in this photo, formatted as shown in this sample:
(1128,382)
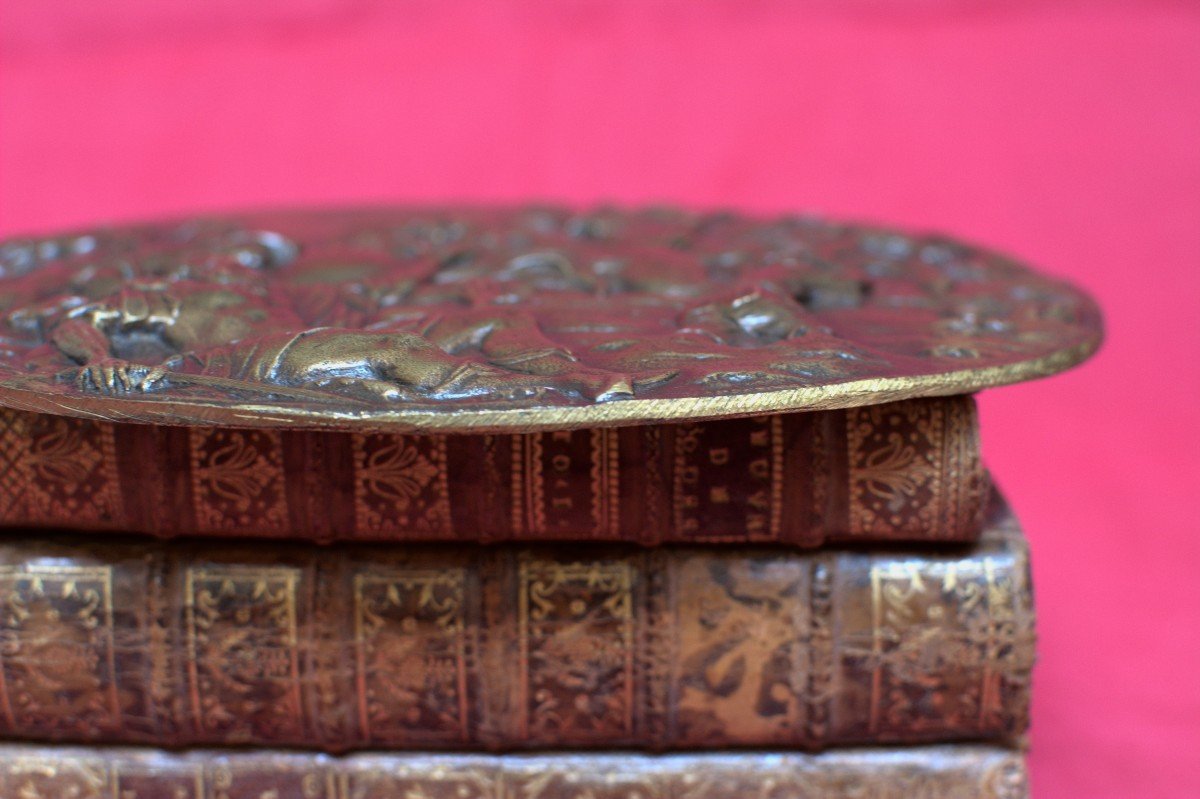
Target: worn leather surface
(905,471)
(513,647)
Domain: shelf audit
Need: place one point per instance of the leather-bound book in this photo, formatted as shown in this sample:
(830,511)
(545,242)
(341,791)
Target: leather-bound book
(933,772)
(493,374)
(907,470)
(512,647)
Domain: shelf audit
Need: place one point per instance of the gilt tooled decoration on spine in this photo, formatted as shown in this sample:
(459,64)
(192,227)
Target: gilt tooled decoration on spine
(903,471)
(510,647)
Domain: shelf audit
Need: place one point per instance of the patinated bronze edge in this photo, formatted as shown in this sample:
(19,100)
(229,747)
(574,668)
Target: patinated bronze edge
(849,394)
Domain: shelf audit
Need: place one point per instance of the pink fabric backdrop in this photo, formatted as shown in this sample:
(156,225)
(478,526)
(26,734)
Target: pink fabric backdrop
(1066,132)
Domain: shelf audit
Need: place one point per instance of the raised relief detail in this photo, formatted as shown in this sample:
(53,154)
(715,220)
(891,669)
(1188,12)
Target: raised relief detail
(340,316)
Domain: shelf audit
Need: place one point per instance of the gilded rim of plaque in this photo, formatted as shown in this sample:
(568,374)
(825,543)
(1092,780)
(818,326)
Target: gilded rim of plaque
(871,391)
(456,320)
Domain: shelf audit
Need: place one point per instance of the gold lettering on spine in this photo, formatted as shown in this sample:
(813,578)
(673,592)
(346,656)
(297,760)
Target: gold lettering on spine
(557,493)
(728,483)
(762,479)
(687,479)
(410,643)
(57,663)
(242,653)
(821,468)
(576,631)
(565,484)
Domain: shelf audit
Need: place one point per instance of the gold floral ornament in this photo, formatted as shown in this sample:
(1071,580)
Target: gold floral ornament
(398,472)
(513,319)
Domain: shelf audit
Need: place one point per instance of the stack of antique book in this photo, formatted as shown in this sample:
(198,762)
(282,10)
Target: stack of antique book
(513,503)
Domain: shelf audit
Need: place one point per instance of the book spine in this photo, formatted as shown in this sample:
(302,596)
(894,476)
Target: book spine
(509,647)
(935,772)
(903,471)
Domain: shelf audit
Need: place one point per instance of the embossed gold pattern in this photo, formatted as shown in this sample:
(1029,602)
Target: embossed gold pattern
(410,643)
(57,662)
(69,471)
(243,655)
(891,481)
(576,627)
(237,480)
(457,320)
(902,471)
(350,647)
(401,484)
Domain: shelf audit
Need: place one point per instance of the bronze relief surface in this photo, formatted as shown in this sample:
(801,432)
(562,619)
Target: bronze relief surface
(476,319)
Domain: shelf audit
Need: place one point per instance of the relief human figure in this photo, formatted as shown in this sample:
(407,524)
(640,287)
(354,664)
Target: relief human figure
(514,341)
(390,366)
(136,340)
(129,340)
